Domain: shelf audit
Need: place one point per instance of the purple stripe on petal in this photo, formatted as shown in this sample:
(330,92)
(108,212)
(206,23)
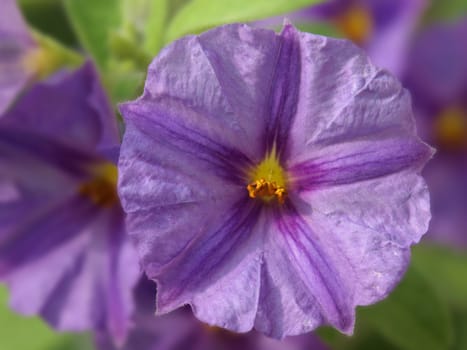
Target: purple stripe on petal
(229,163)
(228,94)
(43,231)
(314,268)
(244,60)
(207,252)
(359,161)
(284,92)
(56,300)
(124,272)
(25,147)
(227,257)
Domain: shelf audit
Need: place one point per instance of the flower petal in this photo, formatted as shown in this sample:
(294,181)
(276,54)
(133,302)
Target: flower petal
(343,97)
(72,240)
(258,72)
(358,161)
(395,22)
(437,73)
(185,72)
(15,42)
(367,229)
(213,271)
(70,108)
(301,288)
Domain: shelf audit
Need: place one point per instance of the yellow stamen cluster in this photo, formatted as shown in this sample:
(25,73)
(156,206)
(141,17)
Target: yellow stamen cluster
(268,180)
(101,189)
(266,189)
(356,24)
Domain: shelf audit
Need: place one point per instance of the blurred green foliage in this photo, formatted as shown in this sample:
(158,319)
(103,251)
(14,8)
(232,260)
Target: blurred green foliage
(49,17)
(199,15)
(413,317)
(445,10)
(22,333)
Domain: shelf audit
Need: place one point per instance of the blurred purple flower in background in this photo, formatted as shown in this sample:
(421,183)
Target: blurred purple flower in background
(382,27)
(437,78)
(64,252)
(180,330)
(272,181)
(19,53)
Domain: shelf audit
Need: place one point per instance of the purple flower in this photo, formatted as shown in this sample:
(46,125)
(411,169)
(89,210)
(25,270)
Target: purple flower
(272,181)
(64,252)
(437,77)
(19,54)
(180,330)
(382,27)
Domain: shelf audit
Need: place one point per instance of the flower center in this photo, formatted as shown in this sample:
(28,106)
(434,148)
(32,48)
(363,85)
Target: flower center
(101,189)
(451,128)
(268,180)
(356,24)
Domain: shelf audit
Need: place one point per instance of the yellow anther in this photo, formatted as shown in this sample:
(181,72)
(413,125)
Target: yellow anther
(268,180)
(101,189)
(356,24)
(266,190)
(280,193)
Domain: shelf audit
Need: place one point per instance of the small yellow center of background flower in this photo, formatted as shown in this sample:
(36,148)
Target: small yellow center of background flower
(451,128)
(268,180)
(101,189)
(356,24)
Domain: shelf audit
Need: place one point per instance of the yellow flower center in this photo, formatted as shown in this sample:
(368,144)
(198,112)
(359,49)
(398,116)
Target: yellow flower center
(450,128)
(101,189)
(268,180)
(356,24)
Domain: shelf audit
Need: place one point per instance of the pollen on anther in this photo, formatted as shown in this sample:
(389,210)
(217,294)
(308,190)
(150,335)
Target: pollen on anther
(266,190)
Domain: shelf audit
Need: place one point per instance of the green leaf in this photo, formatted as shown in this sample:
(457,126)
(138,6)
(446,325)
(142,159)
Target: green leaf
(49,17)
(144,23)
(413,317)
(123,81)
(446,269)
(460,330)
(20,332)
(155,26)
(199,15)
(446,10)
(124,49)
(93,21)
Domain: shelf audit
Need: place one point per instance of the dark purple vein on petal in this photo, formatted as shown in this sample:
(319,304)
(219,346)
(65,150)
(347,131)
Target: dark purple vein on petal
(212,250)
(299,236)
(384,158)
(230,163)
(283,97)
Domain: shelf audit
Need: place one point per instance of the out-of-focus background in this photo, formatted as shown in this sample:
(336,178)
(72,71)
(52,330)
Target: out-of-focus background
(422,42)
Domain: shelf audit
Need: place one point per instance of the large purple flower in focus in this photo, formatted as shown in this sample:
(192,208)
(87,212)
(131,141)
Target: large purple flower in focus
(64,252)
(382,27)
(437,77)
(19,54)
(272,181)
